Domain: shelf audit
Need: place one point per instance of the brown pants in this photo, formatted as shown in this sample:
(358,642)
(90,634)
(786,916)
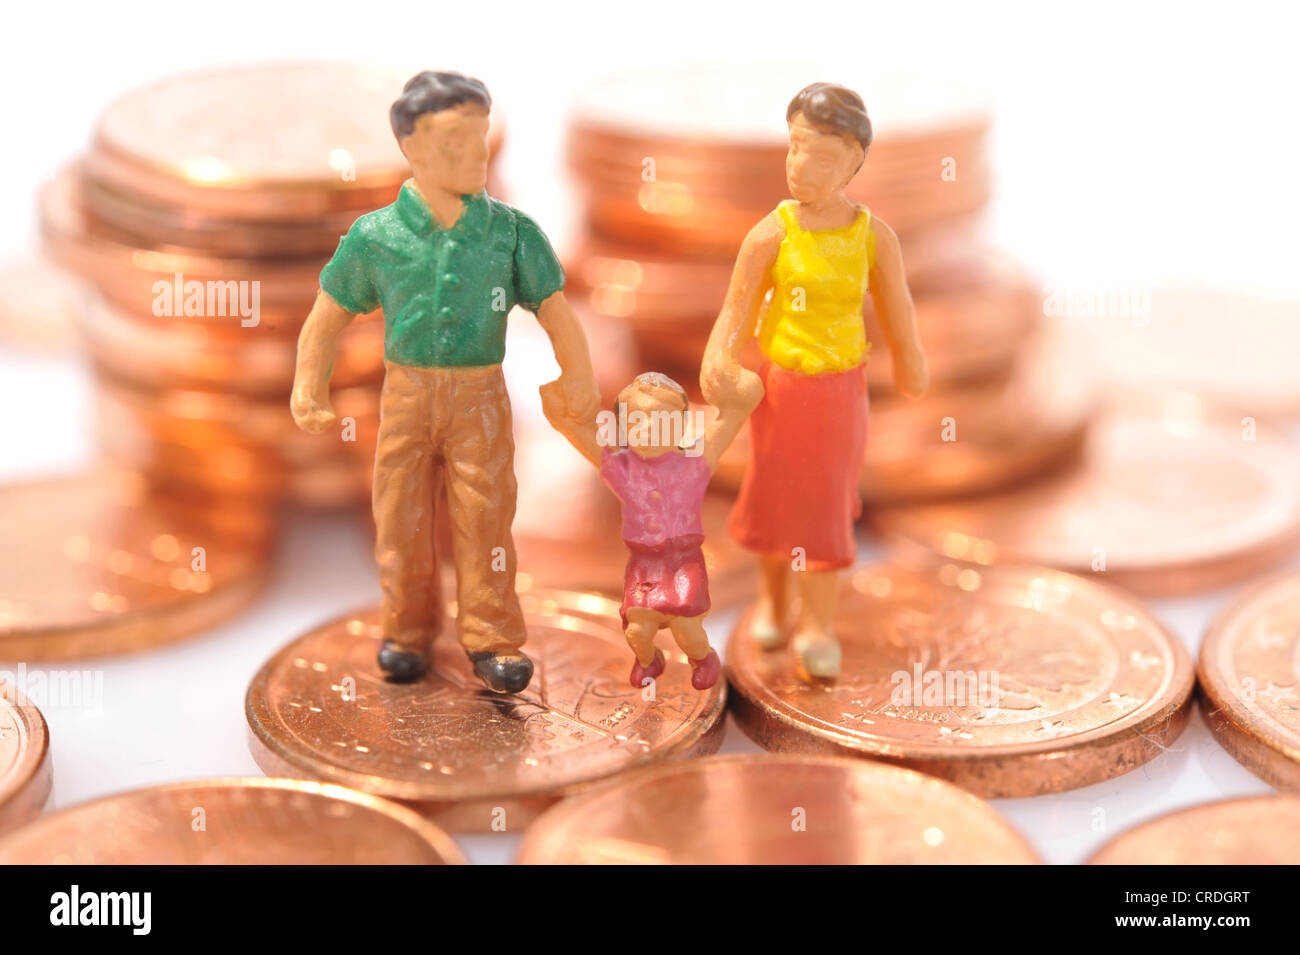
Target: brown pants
(447,426)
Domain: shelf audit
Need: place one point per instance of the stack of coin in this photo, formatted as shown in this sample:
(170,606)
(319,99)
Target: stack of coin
(203,213)
(674,169)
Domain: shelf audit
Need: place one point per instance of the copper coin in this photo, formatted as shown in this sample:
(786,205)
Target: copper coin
(26,776)
(100,564)
(1255,830)
(469,758)
(287,141)
(1007,681)
(161,353)
(1225,346)
(1171,497)
(775,810)
(233,821)
(132,275)
(1249,674)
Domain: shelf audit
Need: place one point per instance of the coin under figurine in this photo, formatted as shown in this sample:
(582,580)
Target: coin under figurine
(799,284)
(447,263)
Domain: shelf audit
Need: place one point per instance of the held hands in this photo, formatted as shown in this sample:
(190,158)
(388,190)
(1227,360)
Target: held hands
(311,412)
(730,386)
(579,394)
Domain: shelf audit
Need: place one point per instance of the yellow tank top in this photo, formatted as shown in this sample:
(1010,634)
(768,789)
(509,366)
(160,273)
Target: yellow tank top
(813,323)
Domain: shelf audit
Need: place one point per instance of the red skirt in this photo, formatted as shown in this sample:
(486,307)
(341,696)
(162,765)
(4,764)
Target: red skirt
(800,493)
(671,579)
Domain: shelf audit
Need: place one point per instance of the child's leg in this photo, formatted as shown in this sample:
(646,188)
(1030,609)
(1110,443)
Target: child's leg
(690,636)
(642,626)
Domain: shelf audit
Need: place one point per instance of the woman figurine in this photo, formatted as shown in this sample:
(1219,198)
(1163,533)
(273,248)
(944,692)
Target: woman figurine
(818,254)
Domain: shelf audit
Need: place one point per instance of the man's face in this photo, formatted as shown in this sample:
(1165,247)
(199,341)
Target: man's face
(450,148)
(819,162)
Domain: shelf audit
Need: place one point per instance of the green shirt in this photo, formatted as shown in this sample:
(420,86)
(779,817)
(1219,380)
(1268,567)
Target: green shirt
(445,292)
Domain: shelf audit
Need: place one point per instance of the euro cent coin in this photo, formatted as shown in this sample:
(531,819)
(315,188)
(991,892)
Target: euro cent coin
(1008,681)
(471,759)
(233,821)
(1256,830)
(1249,676)
(788,810)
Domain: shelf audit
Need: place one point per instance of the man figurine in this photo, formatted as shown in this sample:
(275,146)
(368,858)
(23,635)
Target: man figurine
(446,262)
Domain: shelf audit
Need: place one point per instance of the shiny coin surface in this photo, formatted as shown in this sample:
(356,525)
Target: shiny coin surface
(285,141)
(1007,681)
(233,821)
(25,773)
(100,563)
(472,759)
(1258,830)
(1170,497)
(1249,675)
(772,810)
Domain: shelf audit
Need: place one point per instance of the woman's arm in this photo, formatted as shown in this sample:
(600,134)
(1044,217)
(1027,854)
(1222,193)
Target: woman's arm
(722,376)
(893,302)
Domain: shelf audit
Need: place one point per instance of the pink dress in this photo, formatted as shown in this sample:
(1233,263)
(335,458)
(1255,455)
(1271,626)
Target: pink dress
(661,497)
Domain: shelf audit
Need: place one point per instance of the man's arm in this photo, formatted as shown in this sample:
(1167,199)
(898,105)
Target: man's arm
(893,302)
(721,373)
(577,380)
(581,433)
(317,348)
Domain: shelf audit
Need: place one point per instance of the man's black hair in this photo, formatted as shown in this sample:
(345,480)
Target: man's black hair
(433,92)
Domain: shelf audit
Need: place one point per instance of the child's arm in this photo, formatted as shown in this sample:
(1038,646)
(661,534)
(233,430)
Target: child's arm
(731,417)
(580,433)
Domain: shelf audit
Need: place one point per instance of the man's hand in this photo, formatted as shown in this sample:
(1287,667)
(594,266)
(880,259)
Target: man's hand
(580,395)
(312,413)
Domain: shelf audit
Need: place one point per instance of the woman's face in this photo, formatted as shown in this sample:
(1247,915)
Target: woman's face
(819,162)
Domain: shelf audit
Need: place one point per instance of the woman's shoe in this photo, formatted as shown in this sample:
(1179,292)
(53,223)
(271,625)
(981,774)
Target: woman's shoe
(819,653)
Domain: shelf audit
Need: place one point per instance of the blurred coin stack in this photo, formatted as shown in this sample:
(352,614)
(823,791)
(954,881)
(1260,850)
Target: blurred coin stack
(203,213)
(673,171)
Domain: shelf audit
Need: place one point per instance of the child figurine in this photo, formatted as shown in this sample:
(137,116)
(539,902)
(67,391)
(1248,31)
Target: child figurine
(817,255)
(661,486)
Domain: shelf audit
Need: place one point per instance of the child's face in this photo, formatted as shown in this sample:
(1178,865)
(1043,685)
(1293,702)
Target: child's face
(655,419)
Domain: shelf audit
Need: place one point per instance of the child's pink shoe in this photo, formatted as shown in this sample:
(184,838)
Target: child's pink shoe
(640,674)
(705,672)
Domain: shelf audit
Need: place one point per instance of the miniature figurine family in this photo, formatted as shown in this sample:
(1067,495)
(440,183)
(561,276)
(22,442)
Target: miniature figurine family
(447,263)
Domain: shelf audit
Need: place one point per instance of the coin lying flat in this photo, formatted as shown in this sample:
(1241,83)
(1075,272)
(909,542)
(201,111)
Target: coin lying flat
(472,759)
(100,563)
(1170,497)
(233,821)
(1007,681)
(1249,676)
(775,810)
(1258,830)
(25,773)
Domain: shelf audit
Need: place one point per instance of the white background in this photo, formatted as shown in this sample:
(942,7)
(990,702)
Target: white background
(1135,143)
